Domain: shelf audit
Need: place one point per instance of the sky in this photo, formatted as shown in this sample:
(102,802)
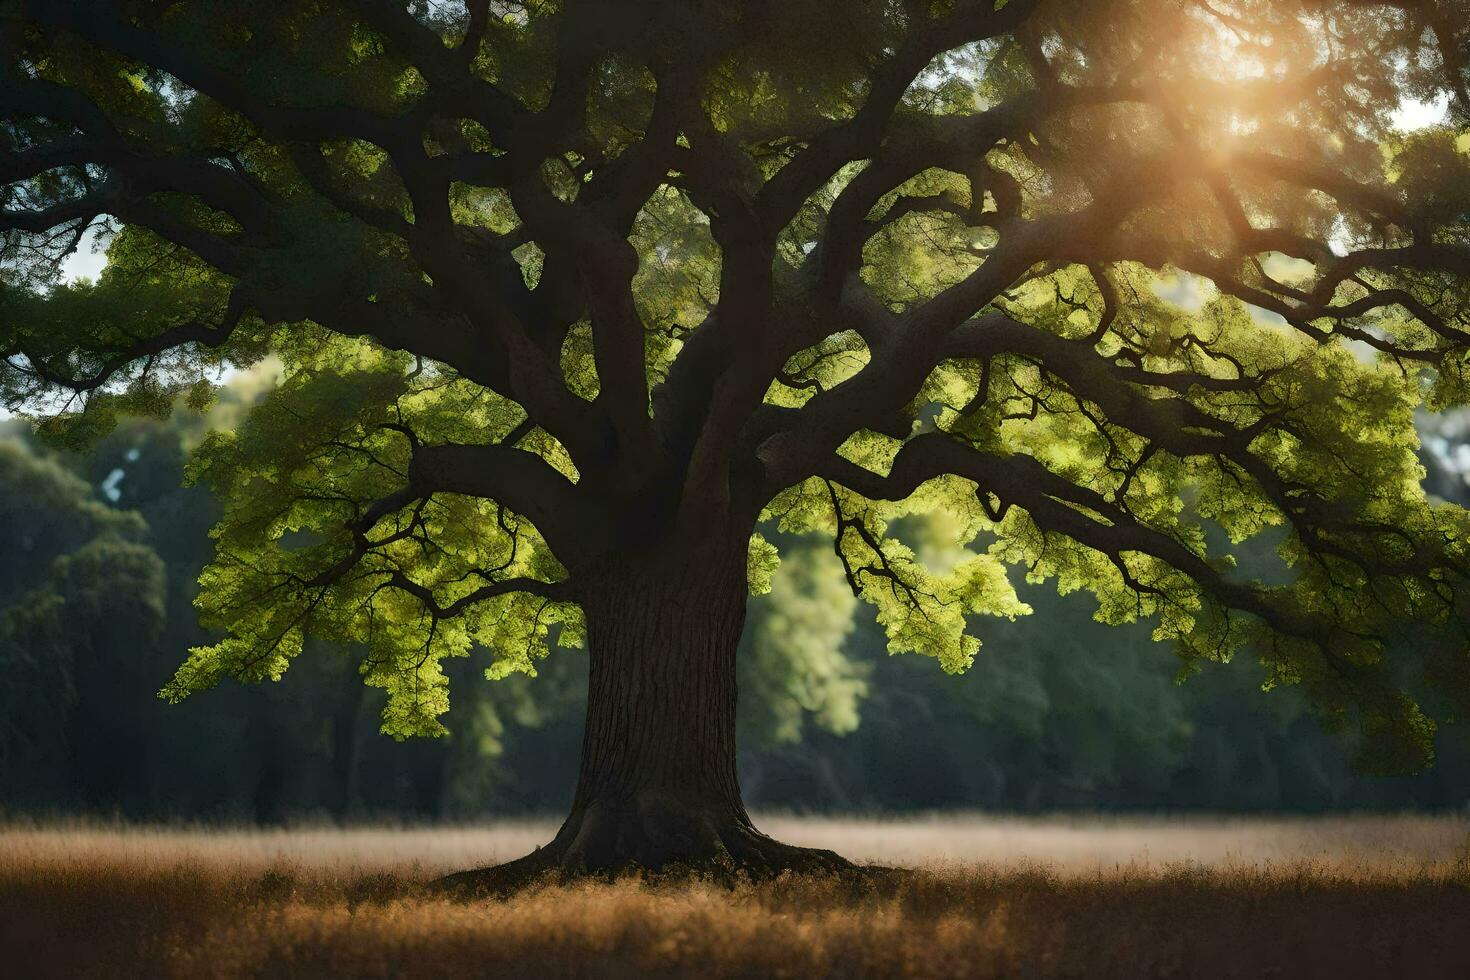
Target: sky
(1414,114)
(86,262)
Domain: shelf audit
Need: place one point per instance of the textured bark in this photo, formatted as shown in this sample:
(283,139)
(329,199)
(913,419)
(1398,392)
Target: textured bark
(657,789)
(659,743)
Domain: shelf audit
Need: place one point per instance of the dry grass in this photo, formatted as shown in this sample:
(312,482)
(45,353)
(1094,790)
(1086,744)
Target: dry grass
(1381,896)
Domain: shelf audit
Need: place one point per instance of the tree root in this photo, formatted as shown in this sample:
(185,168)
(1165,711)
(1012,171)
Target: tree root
(730,854)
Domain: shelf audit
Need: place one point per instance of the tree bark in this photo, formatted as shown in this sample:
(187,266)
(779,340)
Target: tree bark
(657,781)
(657,789)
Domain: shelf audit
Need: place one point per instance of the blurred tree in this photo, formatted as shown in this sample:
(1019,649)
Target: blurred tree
(792,663)
(78,591)
(569,298)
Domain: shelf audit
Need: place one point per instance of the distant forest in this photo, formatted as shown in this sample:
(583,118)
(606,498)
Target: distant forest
(101,555)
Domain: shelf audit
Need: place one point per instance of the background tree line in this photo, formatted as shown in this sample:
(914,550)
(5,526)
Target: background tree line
(103,548)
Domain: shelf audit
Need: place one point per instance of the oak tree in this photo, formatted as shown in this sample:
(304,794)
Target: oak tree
(569,297)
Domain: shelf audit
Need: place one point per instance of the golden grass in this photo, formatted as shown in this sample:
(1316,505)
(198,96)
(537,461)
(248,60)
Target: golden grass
(1380,896)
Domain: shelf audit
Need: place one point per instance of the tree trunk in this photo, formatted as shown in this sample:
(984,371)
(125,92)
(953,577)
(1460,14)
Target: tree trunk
(657,788)
(346,740)
(657,781)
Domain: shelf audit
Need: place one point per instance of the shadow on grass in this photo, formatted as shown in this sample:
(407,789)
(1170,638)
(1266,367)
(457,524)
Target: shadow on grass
(183,920)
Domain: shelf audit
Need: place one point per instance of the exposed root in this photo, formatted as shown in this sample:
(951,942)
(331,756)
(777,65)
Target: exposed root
(501,879)
(730,854)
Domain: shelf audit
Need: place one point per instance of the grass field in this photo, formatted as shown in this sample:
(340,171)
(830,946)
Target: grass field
(1348,897)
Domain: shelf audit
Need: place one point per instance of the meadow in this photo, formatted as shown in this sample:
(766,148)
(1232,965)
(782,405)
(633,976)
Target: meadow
(990,897)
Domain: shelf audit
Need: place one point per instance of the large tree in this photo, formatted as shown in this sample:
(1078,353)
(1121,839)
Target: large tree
(570,296)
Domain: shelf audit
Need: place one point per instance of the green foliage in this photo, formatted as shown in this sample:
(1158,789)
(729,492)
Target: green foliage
(1141,270)
(792,659)
(297,479)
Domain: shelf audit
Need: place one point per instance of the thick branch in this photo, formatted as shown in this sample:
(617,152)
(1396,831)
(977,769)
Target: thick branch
(521,480)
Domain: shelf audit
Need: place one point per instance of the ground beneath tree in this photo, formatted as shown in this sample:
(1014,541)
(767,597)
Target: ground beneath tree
(1035,898)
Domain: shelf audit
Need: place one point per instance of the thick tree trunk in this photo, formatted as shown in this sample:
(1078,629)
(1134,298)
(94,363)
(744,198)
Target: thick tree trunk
(657,788)
(657,782)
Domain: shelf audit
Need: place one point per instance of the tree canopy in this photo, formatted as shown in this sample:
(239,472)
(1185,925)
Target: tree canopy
(552,283)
